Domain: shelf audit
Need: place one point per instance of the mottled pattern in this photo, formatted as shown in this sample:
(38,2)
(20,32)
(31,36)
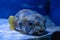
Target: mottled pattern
(30,21)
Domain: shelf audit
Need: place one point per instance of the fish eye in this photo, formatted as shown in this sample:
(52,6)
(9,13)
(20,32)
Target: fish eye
(30,23)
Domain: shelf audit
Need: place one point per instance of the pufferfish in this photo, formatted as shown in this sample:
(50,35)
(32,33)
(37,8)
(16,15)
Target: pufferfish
(28,22)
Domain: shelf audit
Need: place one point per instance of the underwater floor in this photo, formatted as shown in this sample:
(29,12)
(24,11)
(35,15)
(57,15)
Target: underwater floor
(7,34)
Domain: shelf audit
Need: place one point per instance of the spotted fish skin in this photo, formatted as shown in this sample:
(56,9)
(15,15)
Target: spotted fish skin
(30,21)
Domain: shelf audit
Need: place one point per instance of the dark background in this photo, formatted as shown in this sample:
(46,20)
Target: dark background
(44,7)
